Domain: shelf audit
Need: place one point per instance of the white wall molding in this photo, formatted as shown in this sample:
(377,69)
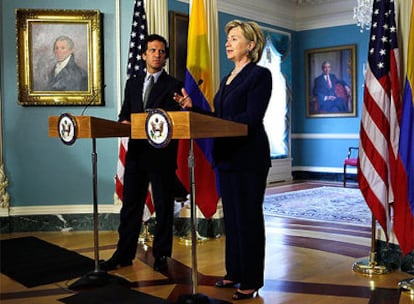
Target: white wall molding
(87,209)
(351,170)
(4,212)
(60,209)
(325,136)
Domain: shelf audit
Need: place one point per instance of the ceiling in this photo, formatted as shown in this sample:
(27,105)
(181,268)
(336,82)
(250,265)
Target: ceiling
(293,14)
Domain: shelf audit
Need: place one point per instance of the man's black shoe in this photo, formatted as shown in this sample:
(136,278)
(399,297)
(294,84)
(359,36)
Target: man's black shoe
(160,263)
(112,264)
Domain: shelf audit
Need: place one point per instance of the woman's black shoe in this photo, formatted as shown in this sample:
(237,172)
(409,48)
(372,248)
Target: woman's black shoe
(242,296)
(222,284)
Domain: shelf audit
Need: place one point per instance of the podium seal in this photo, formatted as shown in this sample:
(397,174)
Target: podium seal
(67,128)
(158,128)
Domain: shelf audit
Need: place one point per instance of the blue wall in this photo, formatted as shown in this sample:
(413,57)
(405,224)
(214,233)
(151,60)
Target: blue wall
(313,145)
(40,169)
(43,171)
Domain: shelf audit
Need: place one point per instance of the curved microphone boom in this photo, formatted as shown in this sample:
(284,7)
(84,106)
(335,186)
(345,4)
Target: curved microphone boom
(93,97)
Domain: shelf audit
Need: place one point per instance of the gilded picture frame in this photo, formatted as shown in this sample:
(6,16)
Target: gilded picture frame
(46,74)
(333,96)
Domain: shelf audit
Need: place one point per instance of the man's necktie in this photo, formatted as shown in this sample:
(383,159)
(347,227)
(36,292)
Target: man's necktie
(148,90)
(329,81)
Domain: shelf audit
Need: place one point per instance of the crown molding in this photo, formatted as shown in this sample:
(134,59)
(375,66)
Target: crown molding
(322,15)
(290,15)
(266,11)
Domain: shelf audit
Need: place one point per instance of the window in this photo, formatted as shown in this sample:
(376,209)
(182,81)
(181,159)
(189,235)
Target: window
(276,117)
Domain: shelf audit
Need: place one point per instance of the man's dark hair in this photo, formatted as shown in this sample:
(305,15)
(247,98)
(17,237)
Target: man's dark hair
(155,37)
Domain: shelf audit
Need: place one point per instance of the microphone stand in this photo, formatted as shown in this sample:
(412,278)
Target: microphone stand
(195,297)
(97,277)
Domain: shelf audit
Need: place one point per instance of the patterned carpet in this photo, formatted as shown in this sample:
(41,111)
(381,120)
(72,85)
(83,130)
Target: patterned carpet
(332,204)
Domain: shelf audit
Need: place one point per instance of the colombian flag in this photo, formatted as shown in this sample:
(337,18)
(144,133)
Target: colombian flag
(404,196)
(198,83)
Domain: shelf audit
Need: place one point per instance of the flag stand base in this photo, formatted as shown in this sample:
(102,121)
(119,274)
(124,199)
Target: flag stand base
(187,240)
(370,266)
(145,237)
(367,267)
(407,285)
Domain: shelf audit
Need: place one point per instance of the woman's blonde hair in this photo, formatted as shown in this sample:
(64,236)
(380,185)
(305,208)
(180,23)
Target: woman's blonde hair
(252,32)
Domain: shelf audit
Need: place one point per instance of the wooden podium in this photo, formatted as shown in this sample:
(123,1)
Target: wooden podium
(93,127)
(191,125)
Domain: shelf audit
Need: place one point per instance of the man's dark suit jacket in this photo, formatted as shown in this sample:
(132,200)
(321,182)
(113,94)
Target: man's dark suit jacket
(321,88)
(161,97)
(70,78)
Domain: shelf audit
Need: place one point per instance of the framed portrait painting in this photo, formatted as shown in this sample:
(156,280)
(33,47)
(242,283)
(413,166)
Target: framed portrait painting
(59,57)
(330,81)
(178,41)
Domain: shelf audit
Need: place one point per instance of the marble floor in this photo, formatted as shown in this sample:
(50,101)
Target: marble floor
(306,262)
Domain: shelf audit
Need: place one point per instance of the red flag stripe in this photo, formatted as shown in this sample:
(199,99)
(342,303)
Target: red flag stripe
(119,179)
(379,210)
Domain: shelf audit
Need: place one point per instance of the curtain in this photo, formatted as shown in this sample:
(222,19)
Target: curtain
(276,117)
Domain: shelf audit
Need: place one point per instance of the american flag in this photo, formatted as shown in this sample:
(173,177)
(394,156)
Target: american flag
(139,31)
(136,65)
(379,133)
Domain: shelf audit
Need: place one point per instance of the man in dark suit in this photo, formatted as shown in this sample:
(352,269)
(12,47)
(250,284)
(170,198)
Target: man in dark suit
(66,75)
(146,164)
(324,90)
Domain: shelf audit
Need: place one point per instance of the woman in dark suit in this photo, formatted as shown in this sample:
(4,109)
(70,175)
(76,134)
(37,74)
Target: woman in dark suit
(242,162)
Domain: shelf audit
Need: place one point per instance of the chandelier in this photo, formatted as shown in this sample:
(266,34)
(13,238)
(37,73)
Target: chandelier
(363,14)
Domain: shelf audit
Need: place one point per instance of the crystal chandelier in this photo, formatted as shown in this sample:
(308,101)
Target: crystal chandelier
(363,14)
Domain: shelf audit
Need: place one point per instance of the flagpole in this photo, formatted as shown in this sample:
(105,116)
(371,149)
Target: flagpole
(370,266)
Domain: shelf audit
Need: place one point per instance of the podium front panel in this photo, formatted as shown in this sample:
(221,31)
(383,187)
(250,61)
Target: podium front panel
(186,125)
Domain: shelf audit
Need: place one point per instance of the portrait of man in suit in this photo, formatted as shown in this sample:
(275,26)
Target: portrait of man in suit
(331,93)
(331,81)
(66,74)
(60,58)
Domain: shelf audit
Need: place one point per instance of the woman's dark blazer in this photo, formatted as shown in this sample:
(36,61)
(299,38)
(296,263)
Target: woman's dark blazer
(244,100)
(161,97)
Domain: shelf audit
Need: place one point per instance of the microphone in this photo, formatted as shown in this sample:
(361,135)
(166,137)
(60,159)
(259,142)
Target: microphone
(199,82)
(93,97)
